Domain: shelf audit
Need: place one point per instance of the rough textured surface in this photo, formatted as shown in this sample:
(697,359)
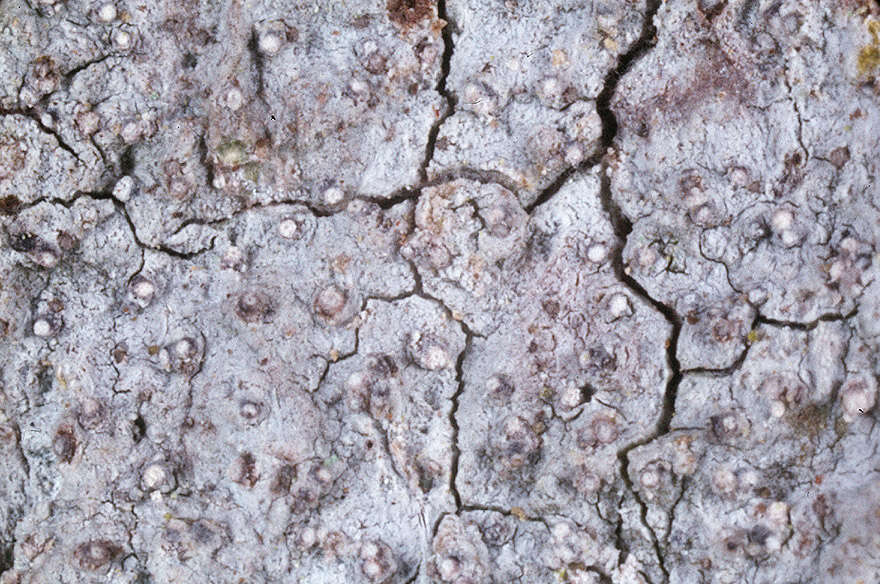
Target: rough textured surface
(411,291)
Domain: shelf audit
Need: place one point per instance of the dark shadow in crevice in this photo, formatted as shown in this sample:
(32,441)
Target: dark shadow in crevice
(451,101)
(259,64)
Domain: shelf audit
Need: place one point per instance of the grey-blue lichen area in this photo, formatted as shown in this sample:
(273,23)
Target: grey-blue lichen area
(526,77)
(417,291)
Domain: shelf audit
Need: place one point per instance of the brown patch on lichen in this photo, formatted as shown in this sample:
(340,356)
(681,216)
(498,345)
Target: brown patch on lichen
(9,205)
(409,13)
(710,10)
(247,470)
(810,420)
(715,78)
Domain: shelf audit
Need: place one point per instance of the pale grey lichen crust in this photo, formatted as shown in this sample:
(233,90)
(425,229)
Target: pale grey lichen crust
(461,291)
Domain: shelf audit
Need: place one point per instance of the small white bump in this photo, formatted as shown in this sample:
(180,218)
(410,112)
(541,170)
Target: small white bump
(357,381)
(724,481)
(107,13)
(782,220)
(574,155)
(131,132)
(28,97)
(234,99)
(249,410)
(232,259)
(857,398)
(88,122)
(790,238)
(750,479)
(333,196)
(619,306)
(757,296)
(571,397)
(448,569)
(650,479)
(42,327)
(739,177)
(435,358)
(184,348)
(359,87)
(122,39)
(369,550)
(308,538)
(561,530)
(777,409)
(123,188)
(372,569)
(777,513)
(551,88)
(323,475)
(143,289)
(288,229)
(728,423)
(472,93)
(46,258)
(851,245)
(647,257)
(836,270)
(330,302)
(597,253)
(269,43)
(605,431)
(154,476)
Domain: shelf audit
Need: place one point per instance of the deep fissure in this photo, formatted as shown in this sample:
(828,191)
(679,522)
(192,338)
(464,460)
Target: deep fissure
(445,65)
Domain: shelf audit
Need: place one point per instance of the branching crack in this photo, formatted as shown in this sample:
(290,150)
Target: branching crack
(641,46)
(733,367)
(107,195)
(623,458)
(418,290)
(670,519)
(622,228)
(35,116)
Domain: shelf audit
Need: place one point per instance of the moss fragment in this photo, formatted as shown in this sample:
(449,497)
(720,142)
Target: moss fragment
(869,59)
(869,56)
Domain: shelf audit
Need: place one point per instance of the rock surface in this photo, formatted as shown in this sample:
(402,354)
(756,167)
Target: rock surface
(416,291)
